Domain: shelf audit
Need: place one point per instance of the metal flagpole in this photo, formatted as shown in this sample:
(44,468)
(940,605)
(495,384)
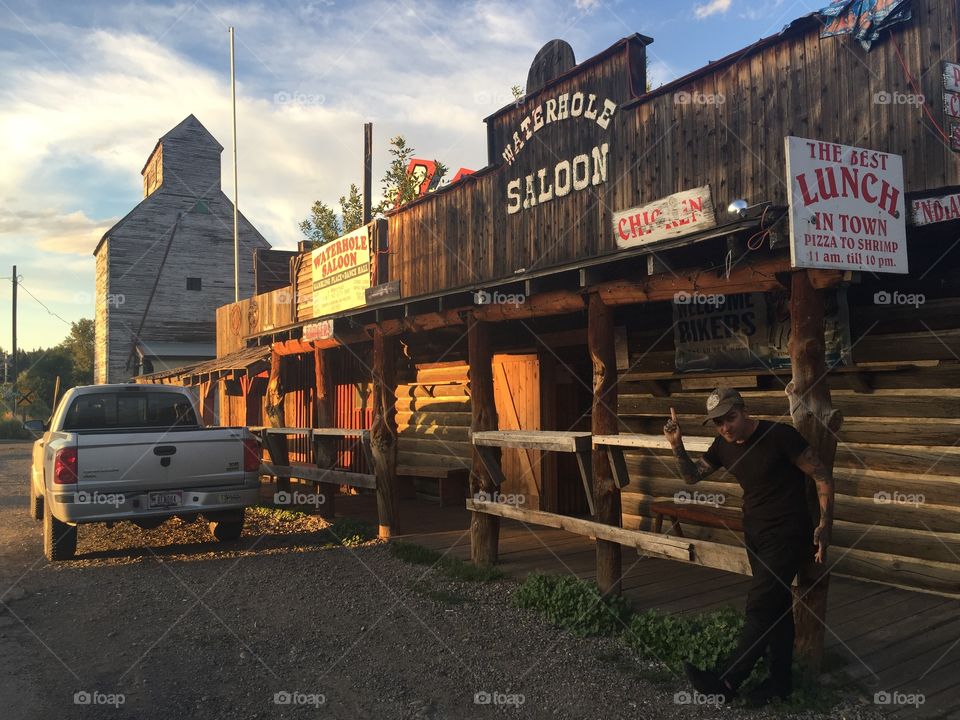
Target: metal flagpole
(236,235)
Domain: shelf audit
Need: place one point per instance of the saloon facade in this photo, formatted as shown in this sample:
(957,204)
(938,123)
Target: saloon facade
(777,221)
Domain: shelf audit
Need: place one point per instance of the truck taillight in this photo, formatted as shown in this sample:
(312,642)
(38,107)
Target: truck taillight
(65,466)
(251,456)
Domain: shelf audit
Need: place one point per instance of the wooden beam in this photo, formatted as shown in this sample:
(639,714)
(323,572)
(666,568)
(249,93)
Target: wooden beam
(276,444)
(321,476)
(325,446)
(745,277)
(603,421)
(555,440)
(484,528)
(731,558)
(816,419)
(558,302)
(383,433)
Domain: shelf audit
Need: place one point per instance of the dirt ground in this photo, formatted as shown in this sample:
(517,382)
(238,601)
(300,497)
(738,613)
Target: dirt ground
(167,624)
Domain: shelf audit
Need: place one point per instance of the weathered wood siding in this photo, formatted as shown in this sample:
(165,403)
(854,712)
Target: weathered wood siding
(190,208)
(663,143)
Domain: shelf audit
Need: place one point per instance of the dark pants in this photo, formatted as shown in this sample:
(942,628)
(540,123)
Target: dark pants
(776,555)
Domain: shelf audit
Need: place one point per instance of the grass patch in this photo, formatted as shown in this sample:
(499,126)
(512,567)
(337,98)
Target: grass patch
(275,513)
(573,604)
(13,429)
(451,567)
(349,532)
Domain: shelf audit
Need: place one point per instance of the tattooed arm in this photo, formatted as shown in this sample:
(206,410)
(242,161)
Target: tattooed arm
(692,472)
(812,465)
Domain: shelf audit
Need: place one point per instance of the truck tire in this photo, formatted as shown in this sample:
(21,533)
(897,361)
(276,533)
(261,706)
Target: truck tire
(59,538)
(36,503)
(229,528)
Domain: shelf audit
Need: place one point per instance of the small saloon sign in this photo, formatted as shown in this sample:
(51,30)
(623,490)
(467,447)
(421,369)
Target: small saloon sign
(341,272)
(846,207)
(679,214)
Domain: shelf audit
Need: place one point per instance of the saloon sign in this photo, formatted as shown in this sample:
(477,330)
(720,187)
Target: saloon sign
(341,272)
(846,207)
(568,174)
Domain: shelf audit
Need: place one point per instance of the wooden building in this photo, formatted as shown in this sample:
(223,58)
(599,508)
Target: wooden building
(166,266)
(599,272)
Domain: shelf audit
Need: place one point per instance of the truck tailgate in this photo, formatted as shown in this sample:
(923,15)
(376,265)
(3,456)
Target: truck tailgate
(118,461)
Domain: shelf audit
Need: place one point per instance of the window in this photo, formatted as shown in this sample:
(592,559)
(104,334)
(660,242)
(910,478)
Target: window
(193,283)
(129,409)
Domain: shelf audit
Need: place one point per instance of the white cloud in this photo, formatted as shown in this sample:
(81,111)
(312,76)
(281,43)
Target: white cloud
(713,7)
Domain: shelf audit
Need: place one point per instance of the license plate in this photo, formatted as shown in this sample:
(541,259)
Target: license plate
(166,499)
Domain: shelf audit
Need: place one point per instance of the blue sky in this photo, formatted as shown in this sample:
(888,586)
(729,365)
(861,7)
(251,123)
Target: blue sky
(86,88)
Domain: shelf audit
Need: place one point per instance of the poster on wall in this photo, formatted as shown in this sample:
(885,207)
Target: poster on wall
(341,272)
(847,209)
(750,330)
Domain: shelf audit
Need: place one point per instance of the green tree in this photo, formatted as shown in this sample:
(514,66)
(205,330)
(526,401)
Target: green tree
(399,187)
(79,343)
(351,209)
(39,380)
(322,225)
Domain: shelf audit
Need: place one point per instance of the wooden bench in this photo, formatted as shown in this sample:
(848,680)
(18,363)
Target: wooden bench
(704,514)
(453,482)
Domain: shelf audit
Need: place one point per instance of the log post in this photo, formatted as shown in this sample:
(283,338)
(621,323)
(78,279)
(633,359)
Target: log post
(484,528)
(383,433)
(325,447)
(276,444)
(816,419)
(606,494)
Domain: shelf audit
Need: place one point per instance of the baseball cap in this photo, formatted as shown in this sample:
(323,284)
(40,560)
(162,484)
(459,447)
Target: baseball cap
(721,401)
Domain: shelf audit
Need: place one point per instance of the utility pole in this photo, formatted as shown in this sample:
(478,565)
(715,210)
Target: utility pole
(367,170)
(13,324)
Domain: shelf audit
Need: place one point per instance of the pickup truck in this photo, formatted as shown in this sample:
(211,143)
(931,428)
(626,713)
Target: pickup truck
(138,453)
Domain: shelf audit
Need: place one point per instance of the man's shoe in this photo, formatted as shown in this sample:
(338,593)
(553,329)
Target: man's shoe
(765,693)
(708,682)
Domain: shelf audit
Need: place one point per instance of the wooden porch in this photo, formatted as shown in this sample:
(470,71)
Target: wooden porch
(883,638)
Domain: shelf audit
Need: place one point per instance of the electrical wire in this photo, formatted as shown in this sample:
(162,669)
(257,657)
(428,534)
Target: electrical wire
(41,303)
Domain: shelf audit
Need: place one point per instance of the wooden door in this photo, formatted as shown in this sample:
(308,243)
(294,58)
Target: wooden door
(516,392)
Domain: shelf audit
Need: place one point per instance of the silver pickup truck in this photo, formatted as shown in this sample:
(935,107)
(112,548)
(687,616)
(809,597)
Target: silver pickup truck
(138,453)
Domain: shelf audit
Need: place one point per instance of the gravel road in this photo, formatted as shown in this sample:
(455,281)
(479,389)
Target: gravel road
(167,624)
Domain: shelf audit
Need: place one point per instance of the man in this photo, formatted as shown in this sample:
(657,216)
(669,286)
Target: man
(769,461)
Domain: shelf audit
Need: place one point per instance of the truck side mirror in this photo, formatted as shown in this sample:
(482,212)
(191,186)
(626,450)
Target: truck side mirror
(37,427)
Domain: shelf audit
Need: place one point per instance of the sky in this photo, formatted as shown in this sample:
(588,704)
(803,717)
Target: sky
(87,88)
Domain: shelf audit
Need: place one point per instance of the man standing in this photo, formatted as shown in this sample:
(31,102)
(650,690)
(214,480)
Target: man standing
(769,461)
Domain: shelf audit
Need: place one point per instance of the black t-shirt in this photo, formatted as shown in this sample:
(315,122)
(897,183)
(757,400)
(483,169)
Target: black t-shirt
(774,489)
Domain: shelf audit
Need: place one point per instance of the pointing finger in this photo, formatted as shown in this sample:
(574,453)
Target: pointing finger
(673,414)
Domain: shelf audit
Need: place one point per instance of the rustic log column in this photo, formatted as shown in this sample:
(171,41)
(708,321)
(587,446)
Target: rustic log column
(383,433)
(606,494)
(484,528)
(816,419)
(276,444)
(325,447)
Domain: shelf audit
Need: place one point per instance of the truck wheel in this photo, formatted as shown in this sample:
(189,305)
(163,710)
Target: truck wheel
(228,529)
(59,538)
(36,503)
